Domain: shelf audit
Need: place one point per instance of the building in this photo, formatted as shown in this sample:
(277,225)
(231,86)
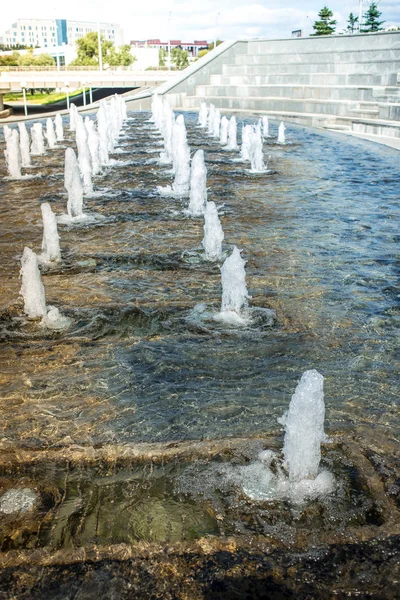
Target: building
(192,48)
(48,33)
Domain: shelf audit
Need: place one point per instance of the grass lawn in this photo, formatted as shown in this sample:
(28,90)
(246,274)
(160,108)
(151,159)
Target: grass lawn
(38,97)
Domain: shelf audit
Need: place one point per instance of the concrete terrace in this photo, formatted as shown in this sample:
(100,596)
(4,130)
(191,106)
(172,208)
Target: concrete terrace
(347,82)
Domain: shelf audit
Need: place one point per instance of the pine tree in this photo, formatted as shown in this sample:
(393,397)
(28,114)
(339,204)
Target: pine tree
(326,26)
(370,21)
(352,23)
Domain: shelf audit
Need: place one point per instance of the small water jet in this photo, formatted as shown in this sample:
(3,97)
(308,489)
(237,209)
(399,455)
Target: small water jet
(181,161)
(33,293)
(37,140)
(216,124)
(73,113)
(51,240)
(213,234)
(93,140)
(203,115)
(73,185)
(298,476)
(84,159)
(198,185)
(32,289)
(234,291)
(247,130)
(223,134)
(210,119)
(59,127)
(24,145)
(232,135)
(265,127)
(256,151)
(167,131)
(50,133)
(12,154)
(281,133)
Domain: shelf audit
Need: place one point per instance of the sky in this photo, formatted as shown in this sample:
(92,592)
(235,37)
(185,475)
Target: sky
(190,20)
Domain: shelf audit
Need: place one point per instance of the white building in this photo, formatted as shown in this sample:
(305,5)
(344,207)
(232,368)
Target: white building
(48,33)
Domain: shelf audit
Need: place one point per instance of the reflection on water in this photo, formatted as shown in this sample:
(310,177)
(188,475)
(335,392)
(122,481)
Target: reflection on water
(319,233)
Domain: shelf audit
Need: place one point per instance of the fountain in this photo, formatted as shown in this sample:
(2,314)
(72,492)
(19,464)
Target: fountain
(232,135)
(213,234)
(51,241)
(73,113)
(223,135)
(24,145)
(198,185)
(203,114)
(59,128)
(210,120)
(94,145)
(12,154)
(84,160)
(298,477)
(167,129)
(37,141)
(247,131)
(265,127)
(234,291)
(33,293)
(50,133)
(216,124)
(181,161)
(281,133)
(73,185)
(256,151)
(32,289)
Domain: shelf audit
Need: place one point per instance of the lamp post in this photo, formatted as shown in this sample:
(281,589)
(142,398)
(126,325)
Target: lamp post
(66,87)
(23,86)
(216,30)
(360,15)
(90,92)
(84,92)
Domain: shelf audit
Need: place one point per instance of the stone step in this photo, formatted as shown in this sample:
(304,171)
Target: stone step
(391,68)
(309,57)
(339,93)
(300,78)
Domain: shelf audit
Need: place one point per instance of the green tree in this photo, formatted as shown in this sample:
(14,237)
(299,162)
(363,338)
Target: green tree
(326,24)
(123,58)
(211,46)
(352,23)
(371,19)
(88,52)
(179,58)
(162,57)
(29,60)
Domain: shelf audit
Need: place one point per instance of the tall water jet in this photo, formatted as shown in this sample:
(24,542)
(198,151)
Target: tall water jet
(50,133)
(210,119)
(234,291)
(7,131)
(213,234)
(281,133)
(59,127)
(181,161)
(232,135)
(37,140)
(256,151)
(223,135)
(73,184)
(304,428)
(84,160)
(94,145)
(103,129)
(247,130)
(216,124)
(12,154)
(73,112)
(167,132)
(203,114)
(24,144)
(51,240)
(156,110)
(198,185)
(32,289)
(265,127)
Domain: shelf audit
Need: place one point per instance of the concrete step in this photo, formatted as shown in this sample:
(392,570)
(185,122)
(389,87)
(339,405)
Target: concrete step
(345,93)
(300,78)
(309,57)
(352,68)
